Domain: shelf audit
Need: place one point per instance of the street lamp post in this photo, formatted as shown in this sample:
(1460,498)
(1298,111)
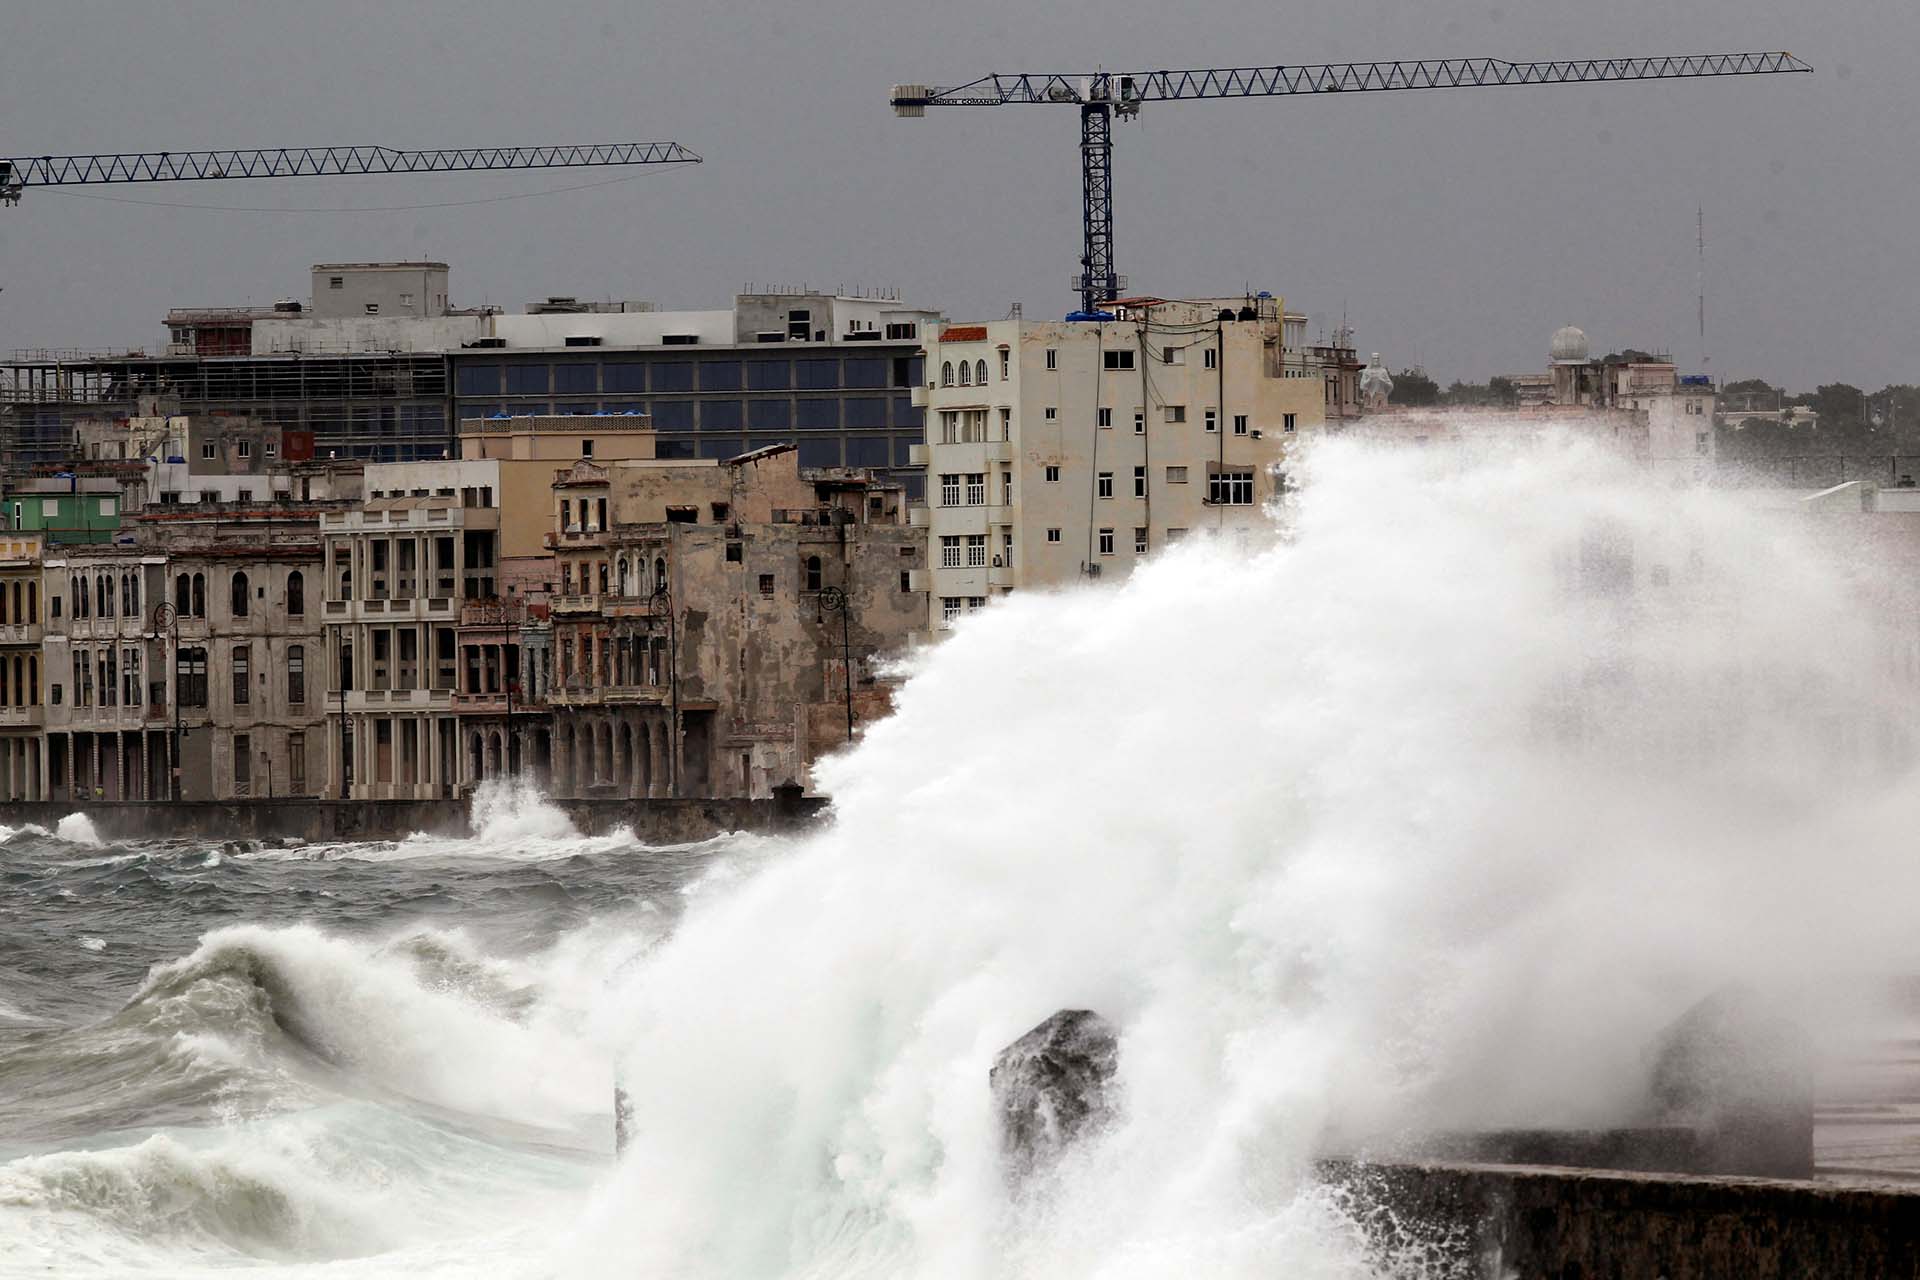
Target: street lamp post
(660,604)
(834,600)
(167,618)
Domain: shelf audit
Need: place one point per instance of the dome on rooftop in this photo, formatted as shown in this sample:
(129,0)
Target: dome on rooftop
(1570,345)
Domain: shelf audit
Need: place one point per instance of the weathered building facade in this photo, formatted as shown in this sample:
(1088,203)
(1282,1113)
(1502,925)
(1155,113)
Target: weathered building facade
(717,623)
(23,769)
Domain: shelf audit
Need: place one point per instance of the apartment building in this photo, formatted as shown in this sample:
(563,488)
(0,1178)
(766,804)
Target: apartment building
(23,766)
(1069,450)
(718,623)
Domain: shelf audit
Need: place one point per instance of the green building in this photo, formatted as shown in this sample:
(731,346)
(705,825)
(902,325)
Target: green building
(63,515)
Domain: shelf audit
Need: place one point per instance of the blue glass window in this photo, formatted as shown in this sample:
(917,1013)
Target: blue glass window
(528,380)
(866,412)
(673,375)
(579,406)
(673,448)
(769,415)
(626,406)
(720,446)
(479,380)
(673,415)
(902,450)
(576,379)
(865,373)
(767,375)
(819,414)
(867,451)
(817,375)
(623,376)
(905,415)
(820,451)
(719,415)
(720,375)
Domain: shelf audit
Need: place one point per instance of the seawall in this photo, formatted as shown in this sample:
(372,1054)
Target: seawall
(652,821)
(1500,1221)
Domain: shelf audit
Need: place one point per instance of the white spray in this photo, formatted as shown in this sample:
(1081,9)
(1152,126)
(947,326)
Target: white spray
(1429,817)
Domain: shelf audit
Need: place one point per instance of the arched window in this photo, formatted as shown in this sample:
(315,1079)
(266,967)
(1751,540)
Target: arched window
(813,573)
(296,594)
(946,373)
(33,602)
(966,374)
(199,595)
(103,595)
(82,596)
(980,372)
(181,600)
(660,573)
(623,575)
(239,595)
(296,674)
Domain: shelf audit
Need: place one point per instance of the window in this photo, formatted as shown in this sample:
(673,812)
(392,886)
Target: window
(1053,535)
(1117,359)
(373,308)
(1052,474)
(902,332)
(1176,413)
(1106,417)
(949,608)
(1174,535)
(130,678)
(1006,364)
(1213,419)
(296,594)
(406,299)
(973,426)
(906,580)
(190,677)
(1105,481)
(1053,413)
(1006,424)
(1286,422)
(49,508)
(1053,358)
(1106,542)
(1231,487)
(1139,482)
(241,690)
(976,551)
(336,282)
(1213,358)
(243,449)
(1140,535)
(586,448)
(766,585)
(239,595)
(1139,422)
(1173,355)
(980,372)
(976,488)
(206,451)
(106,506)
(1176,475)
(296,674)
(966,374)
(297,761)
(950,489)
(813,573)
(243,747)
(946,373)
(950,551)
(1239,424)
(949,426)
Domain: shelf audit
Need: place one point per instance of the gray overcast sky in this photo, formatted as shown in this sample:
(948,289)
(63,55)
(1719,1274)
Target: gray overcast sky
(1456,229)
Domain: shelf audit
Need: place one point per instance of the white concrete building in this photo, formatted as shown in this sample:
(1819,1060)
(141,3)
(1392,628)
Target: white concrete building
(1070,449)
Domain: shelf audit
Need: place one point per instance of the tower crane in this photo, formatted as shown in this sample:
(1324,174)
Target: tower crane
(19,172)
(1103,95)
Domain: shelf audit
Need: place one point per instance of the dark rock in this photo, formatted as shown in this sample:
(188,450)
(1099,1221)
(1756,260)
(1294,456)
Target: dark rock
(1742,1076)
(1051,1087)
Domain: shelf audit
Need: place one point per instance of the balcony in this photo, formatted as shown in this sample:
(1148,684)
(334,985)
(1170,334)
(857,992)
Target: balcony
(917,454)
(1000,574)
(492,613)
(21,633)
(19,717)
(480,704)
(576,604)
(919,515)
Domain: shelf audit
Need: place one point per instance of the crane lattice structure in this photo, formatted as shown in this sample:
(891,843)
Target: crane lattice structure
(1102,95)
(19,172)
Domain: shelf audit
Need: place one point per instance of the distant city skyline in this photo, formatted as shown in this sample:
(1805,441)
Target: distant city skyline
(1455,230)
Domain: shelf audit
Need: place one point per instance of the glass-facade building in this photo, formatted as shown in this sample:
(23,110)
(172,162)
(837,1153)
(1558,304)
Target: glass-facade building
(845,404)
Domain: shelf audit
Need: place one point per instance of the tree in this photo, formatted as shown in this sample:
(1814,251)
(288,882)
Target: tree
(1414,389)
(1503,393)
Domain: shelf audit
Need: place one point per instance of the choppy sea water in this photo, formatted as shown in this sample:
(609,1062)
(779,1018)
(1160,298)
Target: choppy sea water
(364,1058)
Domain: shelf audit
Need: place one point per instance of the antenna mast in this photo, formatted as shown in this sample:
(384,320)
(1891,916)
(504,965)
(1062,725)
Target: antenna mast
(1700,233)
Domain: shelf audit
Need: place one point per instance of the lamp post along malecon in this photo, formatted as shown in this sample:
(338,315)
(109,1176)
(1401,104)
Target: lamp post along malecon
(660,604)
(167,618)
(834,600)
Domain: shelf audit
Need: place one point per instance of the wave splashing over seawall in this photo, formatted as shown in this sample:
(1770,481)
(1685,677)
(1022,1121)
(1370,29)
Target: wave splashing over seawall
(1426,818)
